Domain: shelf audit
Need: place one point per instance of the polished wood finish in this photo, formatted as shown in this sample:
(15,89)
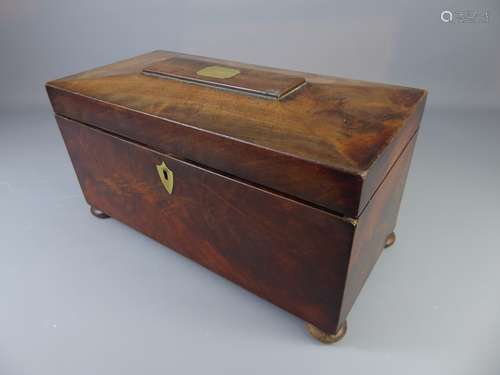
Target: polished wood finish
(373,228)
(293,199)
(247,80)
(330,143)
(292,254)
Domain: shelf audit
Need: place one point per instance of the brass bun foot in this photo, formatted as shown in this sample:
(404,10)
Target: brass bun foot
(389,241)
(327,338)
(98,213)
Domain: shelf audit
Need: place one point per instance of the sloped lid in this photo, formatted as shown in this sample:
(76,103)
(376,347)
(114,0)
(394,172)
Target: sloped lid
(323,140)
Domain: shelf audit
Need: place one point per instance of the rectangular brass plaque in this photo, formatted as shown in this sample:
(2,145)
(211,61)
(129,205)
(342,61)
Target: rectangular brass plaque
(217,71)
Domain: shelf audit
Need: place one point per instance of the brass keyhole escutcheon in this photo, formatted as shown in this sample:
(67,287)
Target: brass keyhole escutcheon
(166,177)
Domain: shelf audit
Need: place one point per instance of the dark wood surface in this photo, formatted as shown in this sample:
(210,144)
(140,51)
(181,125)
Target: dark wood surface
(270,84)
(291,254)
(329,143)
(292,199)
(373,227)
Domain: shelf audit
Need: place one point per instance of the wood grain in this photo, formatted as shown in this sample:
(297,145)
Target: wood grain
(292,199)
(318,144)
(372,229)
(291,254)
(250,81)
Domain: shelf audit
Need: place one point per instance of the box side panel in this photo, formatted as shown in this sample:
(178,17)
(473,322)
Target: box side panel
(376,223)
(291,254)
(379,169)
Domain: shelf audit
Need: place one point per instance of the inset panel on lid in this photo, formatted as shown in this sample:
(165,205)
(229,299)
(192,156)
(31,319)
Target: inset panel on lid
(251,81)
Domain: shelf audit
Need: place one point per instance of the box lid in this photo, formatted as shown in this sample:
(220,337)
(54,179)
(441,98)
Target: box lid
(322,140)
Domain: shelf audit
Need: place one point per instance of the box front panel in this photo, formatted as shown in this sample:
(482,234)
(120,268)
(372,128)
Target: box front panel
(293,255)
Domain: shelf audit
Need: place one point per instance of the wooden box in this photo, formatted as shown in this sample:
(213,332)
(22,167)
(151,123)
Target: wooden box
(286,183)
